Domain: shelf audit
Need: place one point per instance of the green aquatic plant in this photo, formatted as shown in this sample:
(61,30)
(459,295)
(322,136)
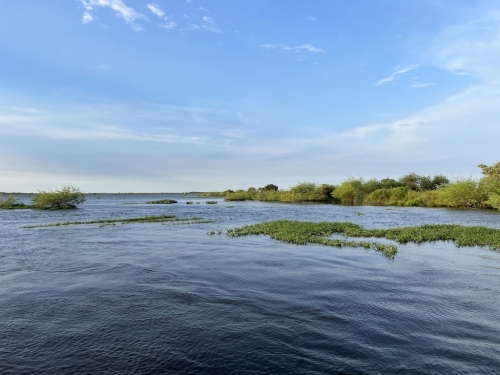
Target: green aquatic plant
(162,201)
(303,233)
(189,202)
(211,202)
(169,219)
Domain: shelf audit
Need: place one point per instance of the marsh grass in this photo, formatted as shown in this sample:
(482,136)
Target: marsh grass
(162,201)
(166,219)
(303,233)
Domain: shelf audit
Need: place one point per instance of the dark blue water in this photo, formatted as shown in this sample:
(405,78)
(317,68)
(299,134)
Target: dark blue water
(163,299)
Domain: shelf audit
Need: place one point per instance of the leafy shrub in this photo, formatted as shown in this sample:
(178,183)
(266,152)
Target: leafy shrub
(464,193)
(68,197)
(11,203)
(491,182)
(371,185)
(239,195)
(269,187)
(350,191)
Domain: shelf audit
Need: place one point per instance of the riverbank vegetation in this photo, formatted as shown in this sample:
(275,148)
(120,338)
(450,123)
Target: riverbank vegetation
(304,233)
(411,190)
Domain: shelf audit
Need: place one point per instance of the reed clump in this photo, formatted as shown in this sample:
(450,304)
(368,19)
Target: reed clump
(304,233)
(170,219)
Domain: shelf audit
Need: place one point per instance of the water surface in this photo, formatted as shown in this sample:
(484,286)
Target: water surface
(154,299)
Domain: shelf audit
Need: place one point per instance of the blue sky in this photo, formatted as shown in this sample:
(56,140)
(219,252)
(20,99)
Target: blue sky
(147,96)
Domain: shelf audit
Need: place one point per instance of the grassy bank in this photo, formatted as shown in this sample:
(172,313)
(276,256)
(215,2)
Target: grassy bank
(304,233)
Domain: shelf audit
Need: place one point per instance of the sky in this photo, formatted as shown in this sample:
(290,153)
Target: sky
(201,95)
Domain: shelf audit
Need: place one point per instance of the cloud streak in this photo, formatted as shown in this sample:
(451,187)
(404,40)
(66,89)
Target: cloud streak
(398,72)
(285,48)
(155,8)
(128,14)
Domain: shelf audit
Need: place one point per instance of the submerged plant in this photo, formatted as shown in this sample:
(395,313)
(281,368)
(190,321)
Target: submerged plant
(171,219)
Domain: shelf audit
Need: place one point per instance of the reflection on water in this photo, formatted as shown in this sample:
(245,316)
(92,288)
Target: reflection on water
(147,298)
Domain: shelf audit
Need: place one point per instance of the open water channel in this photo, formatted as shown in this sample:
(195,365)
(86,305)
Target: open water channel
(147,298)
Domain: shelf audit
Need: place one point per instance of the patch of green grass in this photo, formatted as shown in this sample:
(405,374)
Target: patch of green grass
(162,201)
(303,233)
(169,219)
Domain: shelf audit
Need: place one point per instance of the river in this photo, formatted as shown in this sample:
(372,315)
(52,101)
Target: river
(149,298)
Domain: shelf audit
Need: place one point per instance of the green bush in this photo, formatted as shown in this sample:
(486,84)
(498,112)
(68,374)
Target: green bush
(269,187)
(68,197)
(11,203)
(350,191)
(239,195)
(464,193)
(491,181)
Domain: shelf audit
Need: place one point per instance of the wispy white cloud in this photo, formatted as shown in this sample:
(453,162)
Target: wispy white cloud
(398,71)
(209,24)
(420,85)
(203,24)
(170,25)
(155,8)
(470,48)
(303,47)
(123,11)
(87,17)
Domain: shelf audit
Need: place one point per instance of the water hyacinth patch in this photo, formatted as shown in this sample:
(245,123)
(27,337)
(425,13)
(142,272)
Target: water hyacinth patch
(162,201)
(303,233)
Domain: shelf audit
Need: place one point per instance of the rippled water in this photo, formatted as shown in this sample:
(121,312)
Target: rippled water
(153,298)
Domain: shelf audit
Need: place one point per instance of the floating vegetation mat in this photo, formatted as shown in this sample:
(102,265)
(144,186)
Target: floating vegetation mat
(165,219)
(211,202)
(303,233)
(162,201)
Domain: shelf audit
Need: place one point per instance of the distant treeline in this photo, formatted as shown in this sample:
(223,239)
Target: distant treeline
(409,190)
